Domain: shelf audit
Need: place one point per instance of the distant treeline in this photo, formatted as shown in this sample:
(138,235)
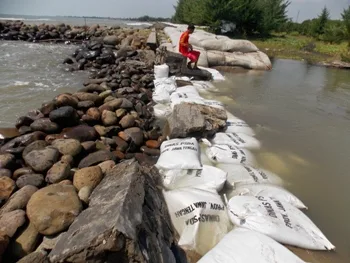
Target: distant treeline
(148,19)
(261,17)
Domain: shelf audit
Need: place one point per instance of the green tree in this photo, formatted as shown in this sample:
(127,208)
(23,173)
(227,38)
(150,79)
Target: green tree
(320,25)
(346,20)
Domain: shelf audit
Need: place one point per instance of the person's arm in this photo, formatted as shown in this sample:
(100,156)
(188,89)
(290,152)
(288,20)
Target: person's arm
(184,40)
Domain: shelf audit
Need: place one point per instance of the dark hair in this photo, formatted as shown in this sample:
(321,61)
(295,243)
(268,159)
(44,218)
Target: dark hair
(191,27)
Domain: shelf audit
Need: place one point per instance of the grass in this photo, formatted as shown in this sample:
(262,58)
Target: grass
(299,47)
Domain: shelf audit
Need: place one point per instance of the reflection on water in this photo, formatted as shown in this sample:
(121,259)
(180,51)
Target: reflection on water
(301,115)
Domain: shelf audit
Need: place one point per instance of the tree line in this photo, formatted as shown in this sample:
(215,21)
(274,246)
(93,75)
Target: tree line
(260,17)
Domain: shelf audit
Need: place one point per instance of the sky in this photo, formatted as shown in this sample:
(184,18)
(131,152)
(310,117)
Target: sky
(135,8)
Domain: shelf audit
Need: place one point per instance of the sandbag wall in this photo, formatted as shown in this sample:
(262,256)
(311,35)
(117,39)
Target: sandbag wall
(220,50)
(224,207)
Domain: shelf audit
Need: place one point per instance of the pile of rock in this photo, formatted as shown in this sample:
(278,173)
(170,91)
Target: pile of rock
(17,30)
(111,50)
(67,150)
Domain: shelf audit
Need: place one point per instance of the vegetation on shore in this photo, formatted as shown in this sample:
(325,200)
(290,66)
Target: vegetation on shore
(265,22)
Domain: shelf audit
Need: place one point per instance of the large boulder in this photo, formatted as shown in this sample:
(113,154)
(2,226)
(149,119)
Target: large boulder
(53,208)
(127,221)
(194,120)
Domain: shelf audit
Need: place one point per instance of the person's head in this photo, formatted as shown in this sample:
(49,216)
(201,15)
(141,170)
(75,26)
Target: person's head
(190,28)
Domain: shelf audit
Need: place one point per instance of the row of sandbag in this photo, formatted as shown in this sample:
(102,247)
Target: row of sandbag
(220,50)
(198,213)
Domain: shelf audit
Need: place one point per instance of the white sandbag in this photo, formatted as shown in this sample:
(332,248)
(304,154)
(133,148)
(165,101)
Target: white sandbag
(197,100)
(161,71)
(239,140)
(203,85)
(230,154)
(230,116)
(217,76)
(199,217)
(243,174)
(238,126)
(187,89)
(214,103)
(278,220)
(246,246)
(161,96)
(203,156)
(162,111)
(167,84)
(267,190)
(209,177)
(179,154)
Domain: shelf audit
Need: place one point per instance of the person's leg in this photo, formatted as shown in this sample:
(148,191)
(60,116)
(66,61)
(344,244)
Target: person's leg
(196,55)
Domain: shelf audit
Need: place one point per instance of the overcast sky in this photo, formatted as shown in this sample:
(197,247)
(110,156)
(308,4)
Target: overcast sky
(135,8)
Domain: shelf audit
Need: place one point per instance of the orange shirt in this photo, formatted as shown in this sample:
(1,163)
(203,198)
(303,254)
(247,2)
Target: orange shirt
(183,47)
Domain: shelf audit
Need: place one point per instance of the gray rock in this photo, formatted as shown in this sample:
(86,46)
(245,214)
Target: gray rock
(58,172)
(111,40)
(96,158)
(67,146)
(42,160)
(49,242)
(84,194)
(11,221)
(127,218)
(65,116)
(136,135)
(109,118)
(5,172)
(44,125)
(17,144)
(37,145)
(35,257)
(85,104)
(193,120)
(36,180)
(19,199)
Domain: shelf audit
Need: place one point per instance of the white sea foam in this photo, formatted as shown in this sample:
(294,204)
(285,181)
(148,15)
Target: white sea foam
(21,83)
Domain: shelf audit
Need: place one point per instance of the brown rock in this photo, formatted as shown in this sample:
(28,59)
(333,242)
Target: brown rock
(124,136)
(101,130)
(7,160)
(89,146)
(36,180)
(120,112)
(67,146)
(19,199)
(46,108)
(89,176)
(153,144)
(58,172)
(127,121)
(94,113)
(85,104)
(68,159)
(112,105)
(53,208)
(25,243)
(11,221)
(22,171)
(120,155)
(105,94)
(84,96)
(17,144)
(66,100)
(106,166)
(51,137)
(121,144)
(109,118)
(7,185)
(66,182)
(81,133)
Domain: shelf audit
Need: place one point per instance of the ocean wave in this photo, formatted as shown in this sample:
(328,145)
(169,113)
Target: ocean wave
(139,24)
(21,83)
(39,84)
(25,19)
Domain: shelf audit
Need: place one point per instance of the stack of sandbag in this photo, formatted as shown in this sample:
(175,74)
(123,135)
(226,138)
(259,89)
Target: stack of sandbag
(196,209)
(246,246)
(220,50)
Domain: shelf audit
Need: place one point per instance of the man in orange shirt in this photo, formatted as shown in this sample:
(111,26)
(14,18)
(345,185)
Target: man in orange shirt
(186,49)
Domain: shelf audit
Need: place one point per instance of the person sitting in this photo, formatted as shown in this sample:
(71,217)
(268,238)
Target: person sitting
(186,49)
